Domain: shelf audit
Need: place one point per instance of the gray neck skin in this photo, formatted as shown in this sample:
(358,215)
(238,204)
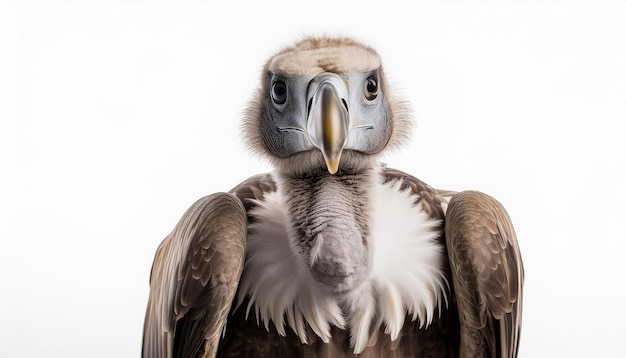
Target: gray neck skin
(329,216)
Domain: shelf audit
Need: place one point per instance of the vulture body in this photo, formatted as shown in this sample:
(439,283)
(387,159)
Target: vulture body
(333,254)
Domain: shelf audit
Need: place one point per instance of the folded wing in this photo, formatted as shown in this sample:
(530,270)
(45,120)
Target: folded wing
(487,275)
(194,278)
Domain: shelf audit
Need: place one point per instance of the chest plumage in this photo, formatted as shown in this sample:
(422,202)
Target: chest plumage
(384,251)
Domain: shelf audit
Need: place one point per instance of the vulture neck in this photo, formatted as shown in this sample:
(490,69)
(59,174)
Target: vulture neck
(329,220)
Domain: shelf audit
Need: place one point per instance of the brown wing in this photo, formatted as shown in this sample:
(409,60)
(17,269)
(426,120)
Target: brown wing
(487,275)
(253,189)
(425,195)
(194,278)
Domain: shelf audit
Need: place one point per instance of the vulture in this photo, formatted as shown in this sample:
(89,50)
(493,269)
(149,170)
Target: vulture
(333,253)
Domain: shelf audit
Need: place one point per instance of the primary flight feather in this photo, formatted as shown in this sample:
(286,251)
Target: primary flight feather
(333,254)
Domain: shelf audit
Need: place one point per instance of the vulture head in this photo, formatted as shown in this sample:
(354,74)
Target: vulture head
(324,105)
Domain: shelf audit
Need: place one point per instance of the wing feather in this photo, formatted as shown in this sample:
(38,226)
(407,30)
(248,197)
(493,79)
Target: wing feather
(194,278)
(487,275)
(425,195)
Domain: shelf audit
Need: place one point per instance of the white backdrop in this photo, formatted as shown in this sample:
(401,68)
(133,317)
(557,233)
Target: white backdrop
(115,116)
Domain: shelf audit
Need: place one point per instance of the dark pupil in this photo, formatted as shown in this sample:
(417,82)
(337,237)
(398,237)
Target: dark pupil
(372,85)
(280,92)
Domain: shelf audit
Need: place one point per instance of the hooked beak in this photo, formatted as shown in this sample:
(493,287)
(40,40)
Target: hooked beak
(328,118)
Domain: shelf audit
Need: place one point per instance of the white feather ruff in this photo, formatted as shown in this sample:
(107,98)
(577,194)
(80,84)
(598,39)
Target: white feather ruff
(408,260)
(279,286)
(406,276)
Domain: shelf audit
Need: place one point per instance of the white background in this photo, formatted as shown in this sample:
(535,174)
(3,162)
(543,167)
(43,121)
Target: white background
(116,116)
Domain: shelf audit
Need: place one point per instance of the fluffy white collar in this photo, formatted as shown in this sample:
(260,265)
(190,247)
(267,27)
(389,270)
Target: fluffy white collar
(406,276)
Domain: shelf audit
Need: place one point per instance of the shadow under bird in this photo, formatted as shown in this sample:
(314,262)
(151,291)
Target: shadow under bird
(333,254)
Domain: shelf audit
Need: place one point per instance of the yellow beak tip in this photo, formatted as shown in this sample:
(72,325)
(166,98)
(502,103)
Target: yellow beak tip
(333,166)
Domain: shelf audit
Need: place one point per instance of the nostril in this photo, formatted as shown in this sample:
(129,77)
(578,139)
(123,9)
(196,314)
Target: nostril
(345,104)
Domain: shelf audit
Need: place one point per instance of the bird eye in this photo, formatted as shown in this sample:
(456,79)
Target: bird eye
(279,92)
(371,88)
